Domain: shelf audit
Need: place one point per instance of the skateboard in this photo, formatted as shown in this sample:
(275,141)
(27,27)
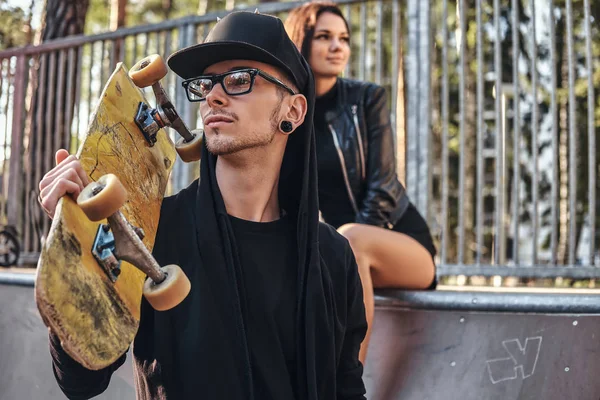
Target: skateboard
(96,261)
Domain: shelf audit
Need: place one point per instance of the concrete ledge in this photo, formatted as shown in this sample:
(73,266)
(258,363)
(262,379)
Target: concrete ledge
(494,300)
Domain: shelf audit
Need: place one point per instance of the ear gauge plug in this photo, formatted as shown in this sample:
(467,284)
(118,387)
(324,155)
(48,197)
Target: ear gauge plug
(286,126)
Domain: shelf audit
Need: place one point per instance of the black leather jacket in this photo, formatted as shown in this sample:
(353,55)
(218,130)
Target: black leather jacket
(363,137)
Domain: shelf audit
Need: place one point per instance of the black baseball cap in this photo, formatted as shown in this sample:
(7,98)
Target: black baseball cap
(246,36)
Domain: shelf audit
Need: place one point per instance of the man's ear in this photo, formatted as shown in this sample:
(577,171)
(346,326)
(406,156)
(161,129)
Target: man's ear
(296,109)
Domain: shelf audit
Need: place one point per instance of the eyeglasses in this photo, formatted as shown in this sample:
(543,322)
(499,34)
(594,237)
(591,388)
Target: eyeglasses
(234,83)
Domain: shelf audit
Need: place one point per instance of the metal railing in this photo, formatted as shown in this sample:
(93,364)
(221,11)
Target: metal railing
(500,174)
(69,74)
(507,172)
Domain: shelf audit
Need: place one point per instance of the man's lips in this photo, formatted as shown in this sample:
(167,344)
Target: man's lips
(215,121)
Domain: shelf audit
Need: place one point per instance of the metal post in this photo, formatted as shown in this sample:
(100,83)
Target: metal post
(15,180)
(418,182)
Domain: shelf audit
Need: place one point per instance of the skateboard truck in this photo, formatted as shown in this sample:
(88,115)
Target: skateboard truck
(120,241)
(148,72)
(117,241)
(151,120)
(105,252)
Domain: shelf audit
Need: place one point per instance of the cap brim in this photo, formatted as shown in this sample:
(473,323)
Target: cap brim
(192,61)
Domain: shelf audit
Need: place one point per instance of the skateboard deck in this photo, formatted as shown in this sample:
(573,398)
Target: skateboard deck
(95,318)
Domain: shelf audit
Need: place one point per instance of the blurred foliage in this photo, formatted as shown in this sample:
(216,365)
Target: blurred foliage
(14,30)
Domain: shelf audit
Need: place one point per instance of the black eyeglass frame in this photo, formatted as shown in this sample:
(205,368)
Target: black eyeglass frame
(219,79)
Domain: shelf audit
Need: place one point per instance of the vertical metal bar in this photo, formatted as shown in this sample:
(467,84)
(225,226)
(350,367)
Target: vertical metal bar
(180,171)
(378,45)
(160,37)
(129,49)
(146,45)
(13,206)
(167,44)
(516,131)
(90,77)
(395,65)
(38,137)
(79,66)
(591,132)
(60,111)
(102,63)
(134,52)
(554,109)
(445,101)
(534,138)
(45,139)
(6,83)
(122,45)
(573,139)
(363,41)
(66,140)
(112,54)
(462,127)
(424,131)
(480,169)
(498,245)
(30,156)
(412,117)
(156,35)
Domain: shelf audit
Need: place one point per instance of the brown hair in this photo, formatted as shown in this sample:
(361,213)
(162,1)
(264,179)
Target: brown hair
(300,23)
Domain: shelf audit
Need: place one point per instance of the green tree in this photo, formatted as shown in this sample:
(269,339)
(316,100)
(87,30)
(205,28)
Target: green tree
(15,26)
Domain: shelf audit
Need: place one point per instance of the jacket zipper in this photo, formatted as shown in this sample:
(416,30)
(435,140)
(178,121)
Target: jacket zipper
(360,143)
(344,172)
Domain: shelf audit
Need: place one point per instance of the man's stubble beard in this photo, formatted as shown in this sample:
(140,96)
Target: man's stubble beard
(252,139)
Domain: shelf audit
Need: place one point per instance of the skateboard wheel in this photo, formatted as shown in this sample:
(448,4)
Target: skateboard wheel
(170,292)
(102,198)
(148,71)
(190,151)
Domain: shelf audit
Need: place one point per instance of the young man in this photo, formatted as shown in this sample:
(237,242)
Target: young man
(275,310)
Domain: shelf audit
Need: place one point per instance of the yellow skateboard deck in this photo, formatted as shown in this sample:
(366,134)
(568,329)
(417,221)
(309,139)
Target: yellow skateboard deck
(95,318)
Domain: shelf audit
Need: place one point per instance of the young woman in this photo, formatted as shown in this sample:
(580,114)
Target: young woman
(359,191)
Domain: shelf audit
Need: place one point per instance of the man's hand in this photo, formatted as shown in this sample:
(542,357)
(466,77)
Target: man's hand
(68,177)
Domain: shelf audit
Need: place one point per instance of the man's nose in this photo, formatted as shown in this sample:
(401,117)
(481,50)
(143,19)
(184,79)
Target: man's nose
(216,96)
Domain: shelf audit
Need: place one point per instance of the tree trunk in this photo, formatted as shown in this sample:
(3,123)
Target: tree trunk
(167,6)
(202,7)
(118,14)
(50,107)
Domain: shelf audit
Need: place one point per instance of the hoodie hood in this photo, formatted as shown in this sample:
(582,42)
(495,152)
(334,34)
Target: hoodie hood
(297,196)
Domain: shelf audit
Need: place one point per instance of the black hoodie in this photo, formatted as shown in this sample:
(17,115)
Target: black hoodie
(198,350)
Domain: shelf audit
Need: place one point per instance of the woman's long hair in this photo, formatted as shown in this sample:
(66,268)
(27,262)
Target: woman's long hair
(300,23)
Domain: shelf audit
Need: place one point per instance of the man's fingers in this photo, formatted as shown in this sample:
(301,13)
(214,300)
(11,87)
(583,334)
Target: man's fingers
(61,155)
(49,200)
(69,163)
(69,175)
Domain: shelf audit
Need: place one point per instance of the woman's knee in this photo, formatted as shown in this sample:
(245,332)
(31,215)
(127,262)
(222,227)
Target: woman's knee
(352,232)
(355,235)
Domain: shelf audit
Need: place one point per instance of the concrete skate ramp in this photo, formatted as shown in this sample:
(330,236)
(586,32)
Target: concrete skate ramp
(442,345)
(25,366)
(485,346)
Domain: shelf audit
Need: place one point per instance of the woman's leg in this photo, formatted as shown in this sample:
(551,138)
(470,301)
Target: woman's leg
(386,259)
